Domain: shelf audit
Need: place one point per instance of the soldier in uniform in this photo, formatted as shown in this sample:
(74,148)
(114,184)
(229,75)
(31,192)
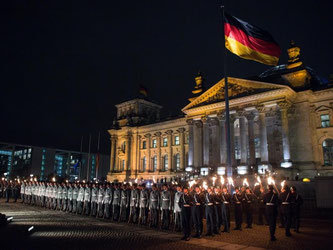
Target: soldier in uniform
(285,198)
(22,191)
(198,201)
(64,197)
(218,208)
(54,196)
(225,209)
(69,198)
(87,200)
(43,195)
(296,203)
(116,203)
(134,204)
(143,206)
(261,207)
(154,201)
(80,199)
(100,197)
(75,197)
(248,206)
(8,190)
(185,202)
(271,201)
(237,200)
(165,207)
(59,197)
(123,203)
(94,193)
(107,200)
(210,212)
(177,209)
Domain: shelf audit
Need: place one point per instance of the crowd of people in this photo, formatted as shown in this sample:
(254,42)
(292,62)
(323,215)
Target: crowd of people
(166,206)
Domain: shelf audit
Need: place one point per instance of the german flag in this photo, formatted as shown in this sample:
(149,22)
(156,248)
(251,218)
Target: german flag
(250,42)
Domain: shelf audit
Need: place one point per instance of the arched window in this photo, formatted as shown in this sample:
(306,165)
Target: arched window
(328,152)
(144,164)
(177,160)
(154,163)
(165,163)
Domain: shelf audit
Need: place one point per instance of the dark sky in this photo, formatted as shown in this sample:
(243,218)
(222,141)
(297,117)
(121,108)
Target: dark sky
(64,65)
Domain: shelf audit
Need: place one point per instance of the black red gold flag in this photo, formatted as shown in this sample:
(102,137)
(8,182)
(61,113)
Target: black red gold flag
(250,42)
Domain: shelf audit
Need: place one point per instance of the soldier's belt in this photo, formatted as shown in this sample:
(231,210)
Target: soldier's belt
(134,198)
(270,204)
(166,199)
(226,202)
(198,204)
(210,204)
(124,198)
(238,202)
(143,199)
(285,203)
(217,203)
(249,201)
(185,205)
(154,200)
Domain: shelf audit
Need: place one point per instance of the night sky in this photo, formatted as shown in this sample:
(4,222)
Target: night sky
(64,65)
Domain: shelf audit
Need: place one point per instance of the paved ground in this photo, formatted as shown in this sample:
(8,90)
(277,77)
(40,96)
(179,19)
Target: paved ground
(59,230)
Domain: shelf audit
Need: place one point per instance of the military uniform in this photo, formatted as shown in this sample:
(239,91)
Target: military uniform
(123,205)
(94,193)
(285,198)
(75,198)
(70,199)
(100,197)
(22,192)
(87,200)
(296,203)
(165,208)
(237,200)
(154,201)
(185,202)
(197,212)
(116,203)
(54,196)
(225,208)
(64,198)
(218,210)
(271,201)
(134,206)
(177,211)
(210,213)
(144,199)
(59,197)
(80,200)
(248,207)
(261,209)
(107,200)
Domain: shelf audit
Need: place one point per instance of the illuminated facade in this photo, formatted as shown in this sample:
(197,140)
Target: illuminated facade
(280,121)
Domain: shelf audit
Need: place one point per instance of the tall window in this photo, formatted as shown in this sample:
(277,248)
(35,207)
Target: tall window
(123,147)
(165,142)
(154,163)
(165,163)
(154,143)
(144,164)
(144,144)
(177,159)
(325,121)
(176,140)
(328,152)
(122,165)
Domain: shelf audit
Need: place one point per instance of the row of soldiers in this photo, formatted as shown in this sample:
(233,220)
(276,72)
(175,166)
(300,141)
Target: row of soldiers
(9,189)
(170,205)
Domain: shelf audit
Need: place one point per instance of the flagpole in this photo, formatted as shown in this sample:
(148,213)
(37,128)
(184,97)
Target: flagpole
(226,100)
(80,163)
(97,160)
(88,158)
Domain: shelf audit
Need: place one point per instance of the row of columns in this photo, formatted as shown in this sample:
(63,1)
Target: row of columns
(199,138)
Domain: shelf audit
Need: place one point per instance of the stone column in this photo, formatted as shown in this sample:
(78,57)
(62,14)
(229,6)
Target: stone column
(128,153)
(250,126)
(113,153)
(243,141)
(205,143)
(198,144)
(190,143)
(215,161)
(263,136)
(285,134)
(223,141)
(148,160)
(182,148)
(158,142)
(170,158)
(232,140)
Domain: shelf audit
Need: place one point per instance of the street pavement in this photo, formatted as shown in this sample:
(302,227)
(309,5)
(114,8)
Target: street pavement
(61,230)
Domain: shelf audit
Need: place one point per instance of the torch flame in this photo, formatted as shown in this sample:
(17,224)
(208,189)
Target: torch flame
(136,180)
(204,185)
(283,183)
(258,179)
(214,179)
(230,181)
(256,184)
(154,181)
(191,183)
(222,180)
(245,183)
(270,181)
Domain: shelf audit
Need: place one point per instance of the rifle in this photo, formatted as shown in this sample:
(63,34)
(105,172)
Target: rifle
(174,220)
(160,219)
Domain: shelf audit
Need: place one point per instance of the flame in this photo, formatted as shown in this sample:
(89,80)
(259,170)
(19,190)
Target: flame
(270,181)
(222,180)
(283,183)
(204,185)
(191,183)
(214,179)
(136,180)
(245,183)
(154,181)
(256,184)
(130,183)
(258,179)
(230,181)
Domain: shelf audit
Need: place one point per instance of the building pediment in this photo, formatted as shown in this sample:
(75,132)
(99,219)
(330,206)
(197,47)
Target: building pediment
(238,89)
